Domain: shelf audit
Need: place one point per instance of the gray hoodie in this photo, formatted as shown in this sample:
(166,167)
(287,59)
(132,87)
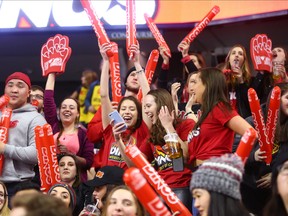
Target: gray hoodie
(20,152)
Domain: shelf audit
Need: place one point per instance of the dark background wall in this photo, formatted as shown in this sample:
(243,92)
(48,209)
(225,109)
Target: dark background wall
(20,51)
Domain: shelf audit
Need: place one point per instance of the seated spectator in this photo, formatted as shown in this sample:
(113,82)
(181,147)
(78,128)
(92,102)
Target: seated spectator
(215,187)
(4,209)
(122,201)
(107,178)
(65,193)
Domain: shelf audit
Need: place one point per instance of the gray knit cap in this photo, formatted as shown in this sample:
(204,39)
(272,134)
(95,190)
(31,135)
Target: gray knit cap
(220,174)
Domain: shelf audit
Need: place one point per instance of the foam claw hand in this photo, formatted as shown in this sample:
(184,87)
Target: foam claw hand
(144,192)
(261,52)
(55,53)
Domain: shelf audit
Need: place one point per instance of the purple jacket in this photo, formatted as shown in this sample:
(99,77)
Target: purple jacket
(85,148)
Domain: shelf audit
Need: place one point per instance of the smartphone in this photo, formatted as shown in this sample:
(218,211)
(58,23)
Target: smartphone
(115,115)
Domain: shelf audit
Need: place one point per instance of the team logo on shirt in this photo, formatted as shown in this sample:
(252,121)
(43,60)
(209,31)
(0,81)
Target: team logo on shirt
(193,133)
(161,158)
(115,154)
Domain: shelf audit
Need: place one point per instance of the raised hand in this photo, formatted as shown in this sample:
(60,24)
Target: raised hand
(103,50)
(261,52)
(55,53)
(184,48)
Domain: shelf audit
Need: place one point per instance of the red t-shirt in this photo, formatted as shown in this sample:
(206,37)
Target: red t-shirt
(110,154)
(213,138)
(164,163)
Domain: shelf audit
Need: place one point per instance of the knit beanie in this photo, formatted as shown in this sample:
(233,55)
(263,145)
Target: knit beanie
(70,190)
(20,76)
(221,175)
(128,73)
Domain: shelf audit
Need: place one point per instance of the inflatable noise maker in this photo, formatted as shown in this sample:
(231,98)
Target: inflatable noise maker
(266,133)
(115,74)
(130,27)
(54,55)
(150,69)
(152,176)
(47,158)
(4,125)
(145,193)
(97,25)
(246,144)
(157,35)
(200,26)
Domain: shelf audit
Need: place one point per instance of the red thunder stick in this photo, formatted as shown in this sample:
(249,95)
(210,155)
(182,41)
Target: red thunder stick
(156,181)
(258,120)
(144,192)
(130,27)
(35,103)
(246,144)
(4,131)
(202,25)
(157,35)
(53,163)
(115,73)
(272,116)
(4,100)
(96,24)
(150,69)
(5,123)
(42,160)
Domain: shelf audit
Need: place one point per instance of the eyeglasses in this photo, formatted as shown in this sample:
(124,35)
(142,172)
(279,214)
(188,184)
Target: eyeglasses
(36,96)
(283,169)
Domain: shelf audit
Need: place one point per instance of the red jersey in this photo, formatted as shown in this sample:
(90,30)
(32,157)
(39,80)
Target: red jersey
(213,138)
(110,154)
(164,163)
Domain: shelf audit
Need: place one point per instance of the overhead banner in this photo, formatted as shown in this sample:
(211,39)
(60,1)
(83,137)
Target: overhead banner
(31,15)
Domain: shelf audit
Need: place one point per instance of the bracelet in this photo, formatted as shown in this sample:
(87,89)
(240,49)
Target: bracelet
(140,71)
(188,113)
